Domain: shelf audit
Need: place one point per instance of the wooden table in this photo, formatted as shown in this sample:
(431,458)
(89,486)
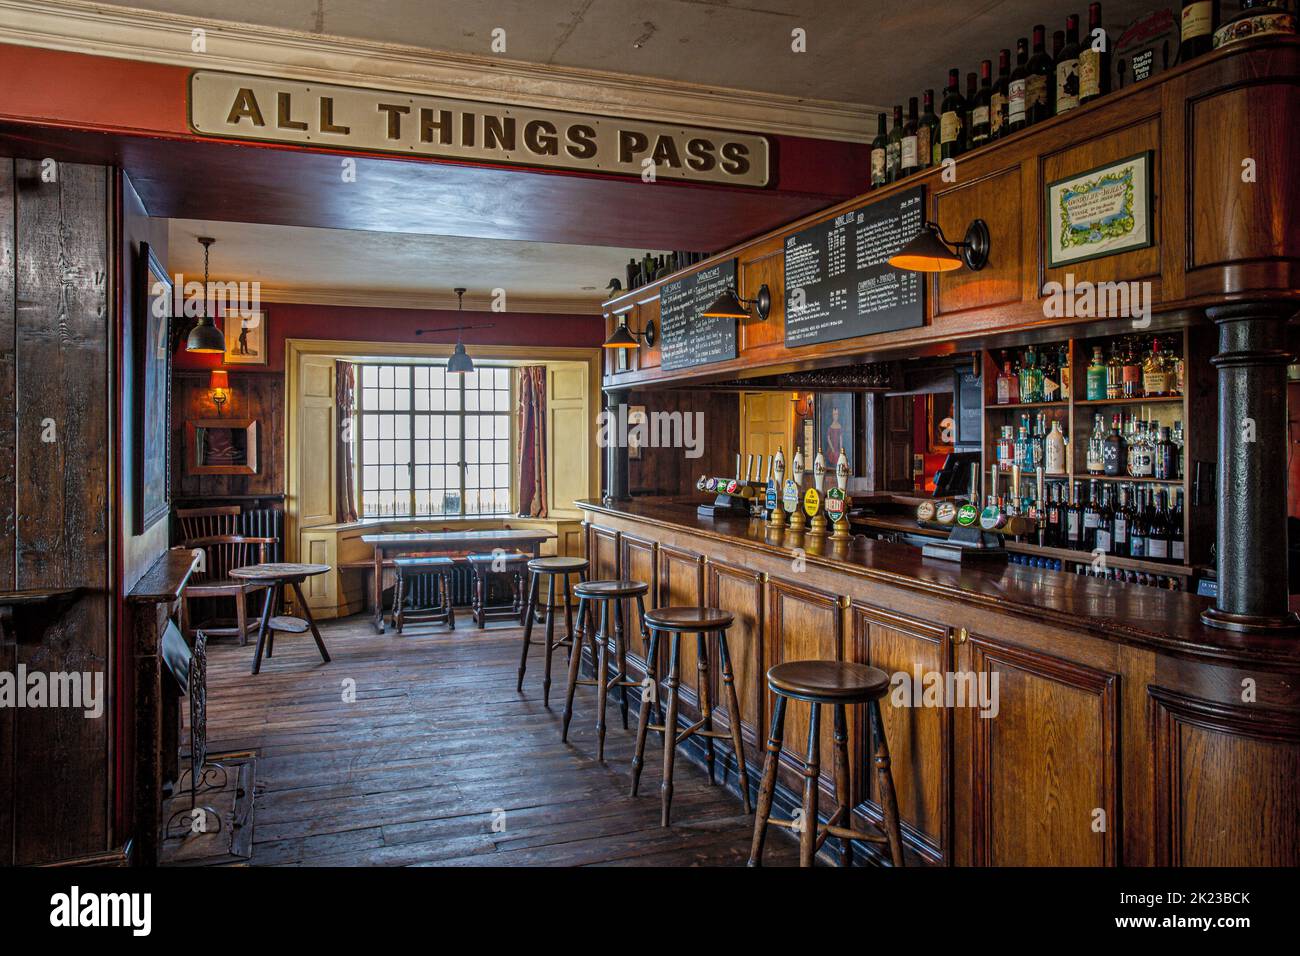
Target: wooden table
(484,540)
(276,575)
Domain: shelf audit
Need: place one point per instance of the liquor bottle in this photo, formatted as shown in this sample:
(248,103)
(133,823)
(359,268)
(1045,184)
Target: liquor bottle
(910,160)
(1157,530)
(1066,66)
(1143,459)
(1105,538)
(1091,518)
(1074,521)
(1017,88)
(1155,372)
(1177,438)
(1094,58)
(1096,457)
(1114,452)
(1004,384)
(1095,382)
(980,118)
(1200,18)
(1114,373)
(952,127)
(998,96)
(1054,450)
(1177,550)
(1164,462)
(927,133)
(1120,524)
(1137,535)
(1039,92)
(1063,363)
(894,147)
(879,155)
(1131,373)
(1257,18)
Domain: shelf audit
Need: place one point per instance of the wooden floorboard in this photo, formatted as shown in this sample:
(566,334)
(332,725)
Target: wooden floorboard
(437,761)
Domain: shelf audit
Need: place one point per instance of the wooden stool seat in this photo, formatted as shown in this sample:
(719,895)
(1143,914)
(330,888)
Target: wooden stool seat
(828,682)
(688,619)
(601,590)
(706,622)
(287,624)
(440,566)
(837,684)
(557,565)
(550,568)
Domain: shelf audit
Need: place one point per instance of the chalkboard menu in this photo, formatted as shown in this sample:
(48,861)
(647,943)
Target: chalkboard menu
(838,282)
(689,338)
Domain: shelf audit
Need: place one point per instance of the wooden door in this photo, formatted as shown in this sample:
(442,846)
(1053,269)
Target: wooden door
(765,424)
(898,443)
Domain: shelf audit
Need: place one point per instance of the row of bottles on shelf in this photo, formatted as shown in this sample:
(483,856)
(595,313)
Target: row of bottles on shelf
(1136,368)
(1032,445)
(1042,85)
(1169,582)
(651,267)
(1135,448)
(1126,521)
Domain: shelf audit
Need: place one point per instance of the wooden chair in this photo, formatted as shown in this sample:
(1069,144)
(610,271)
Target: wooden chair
(207,522)
(221,553)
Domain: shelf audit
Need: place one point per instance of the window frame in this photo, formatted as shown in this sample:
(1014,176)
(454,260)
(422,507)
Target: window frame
(460,413)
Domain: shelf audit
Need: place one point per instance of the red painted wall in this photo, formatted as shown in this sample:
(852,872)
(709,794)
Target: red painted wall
(285,320)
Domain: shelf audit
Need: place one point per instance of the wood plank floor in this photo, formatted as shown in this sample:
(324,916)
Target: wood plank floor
(434,759)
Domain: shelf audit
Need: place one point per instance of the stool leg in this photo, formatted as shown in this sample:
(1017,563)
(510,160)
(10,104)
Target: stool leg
(650,641)
(811,773)
(768,786)
(842,788)
(643,723)
(241,618)
(602,679)
(480,597)
(550,641)
(670,728)
(398,587)
(448,601)
(705,699)
(521,603)
(568,615)
(620,656)
(575,662)
(530,606)
(270,643)
(733,707)
(885,784)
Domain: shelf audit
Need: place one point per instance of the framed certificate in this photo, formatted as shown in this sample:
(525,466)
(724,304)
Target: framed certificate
(1100,212)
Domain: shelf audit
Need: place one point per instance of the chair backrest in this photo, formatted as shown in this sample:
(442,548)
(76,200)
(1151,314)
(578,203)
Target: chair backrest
(207,522)
(225,551)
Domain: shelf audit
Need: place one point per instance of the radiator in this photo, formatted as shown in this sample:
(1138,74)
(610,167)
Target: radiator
(422,589)
(265,523)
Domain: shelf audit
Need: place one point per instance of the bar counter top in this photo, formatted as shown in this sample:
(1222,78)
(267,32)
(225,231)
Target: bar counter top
(1162,620)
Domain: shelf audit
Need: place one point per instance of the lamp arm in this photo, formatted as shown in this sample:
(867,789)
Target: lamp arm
(944,239)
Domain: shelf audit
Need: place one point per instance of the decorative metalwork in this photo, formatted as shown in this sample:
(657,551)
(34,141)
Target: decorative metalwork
(203,778)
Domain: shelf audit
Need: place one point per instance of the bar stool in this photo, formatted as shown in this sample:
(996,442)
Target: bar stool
(486,565)
(550,568)
(407,568)
(704,621)
(602,594)
(836,683)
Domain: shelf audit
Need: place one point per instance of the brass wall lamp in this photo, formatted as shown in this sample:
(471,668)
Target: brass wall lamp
(624,338)
(930,251)
(729,305)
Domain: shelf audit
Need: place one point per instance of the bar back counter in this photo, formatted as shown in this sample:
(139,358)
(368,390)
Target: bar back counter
(1040,717)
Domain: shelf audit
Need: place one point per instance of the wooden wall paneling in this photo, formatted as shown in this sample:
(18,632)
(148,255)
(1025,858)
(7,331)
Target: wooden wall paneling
(8,650)
(1043,767)
(255,395)
(62,270)
(955,206)
(803,623)
(1205,754)
(667,471)
(763,265)
(681,584)
(1137,668)
(740,590)
(602,554)
(638,561)
(920,737)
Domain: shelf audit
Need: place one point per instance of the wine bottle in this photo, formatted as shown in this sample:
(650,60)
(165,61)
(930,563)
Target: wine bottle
(998,96)
(894,147)
(1074,521)
(910,161)
(1091,518)
(1157,530)
(952,127)
(980,119)
(1137,544)
(927,132)
(1177,550)
(1052,534)
(1094,58)
(1039,92)
(879,155)
(1120,524)
(1067,68)
(1017,88)
(1200,18)
(1105,542)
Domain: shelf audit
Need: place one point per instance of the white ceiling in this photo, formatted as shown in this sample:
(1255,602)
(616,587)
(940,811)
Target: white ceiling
(863,52)
(360,267)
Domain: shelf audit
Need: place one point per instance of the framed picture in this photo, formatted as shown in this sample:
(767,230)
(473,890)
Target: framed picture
(835,428)
(221,446)
(245,338)
(940,424)
(151,389)
(1100,212)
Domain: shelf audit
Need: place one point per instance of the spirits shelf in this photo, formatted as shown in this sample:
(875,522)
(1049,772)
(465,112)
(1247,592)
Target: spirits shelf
(1156,400)
(1012,405)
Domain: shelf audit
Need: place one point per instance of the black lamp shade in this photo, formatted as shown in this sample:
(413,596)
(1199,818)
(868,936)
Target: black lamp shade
(926,252)
(460,362)
(726,306)
(205,337)
(621,338)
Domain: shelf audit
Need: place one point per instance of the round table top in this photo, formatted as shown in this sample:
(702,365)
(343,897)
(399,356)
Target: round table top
(280,571)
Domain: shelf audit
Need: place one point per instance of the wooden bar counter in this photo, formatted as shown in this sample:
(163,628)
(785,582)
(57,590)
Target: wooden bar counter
(1114,727)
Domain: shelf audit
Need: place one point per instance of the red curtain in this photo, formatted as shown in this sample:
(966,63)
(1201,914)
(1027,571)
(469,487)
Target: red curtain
(345,390)
(531,421)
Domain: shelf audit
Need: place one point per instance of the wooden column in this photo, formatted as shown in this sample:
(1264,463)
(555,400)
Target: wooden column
(616,467)
(1251,540)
